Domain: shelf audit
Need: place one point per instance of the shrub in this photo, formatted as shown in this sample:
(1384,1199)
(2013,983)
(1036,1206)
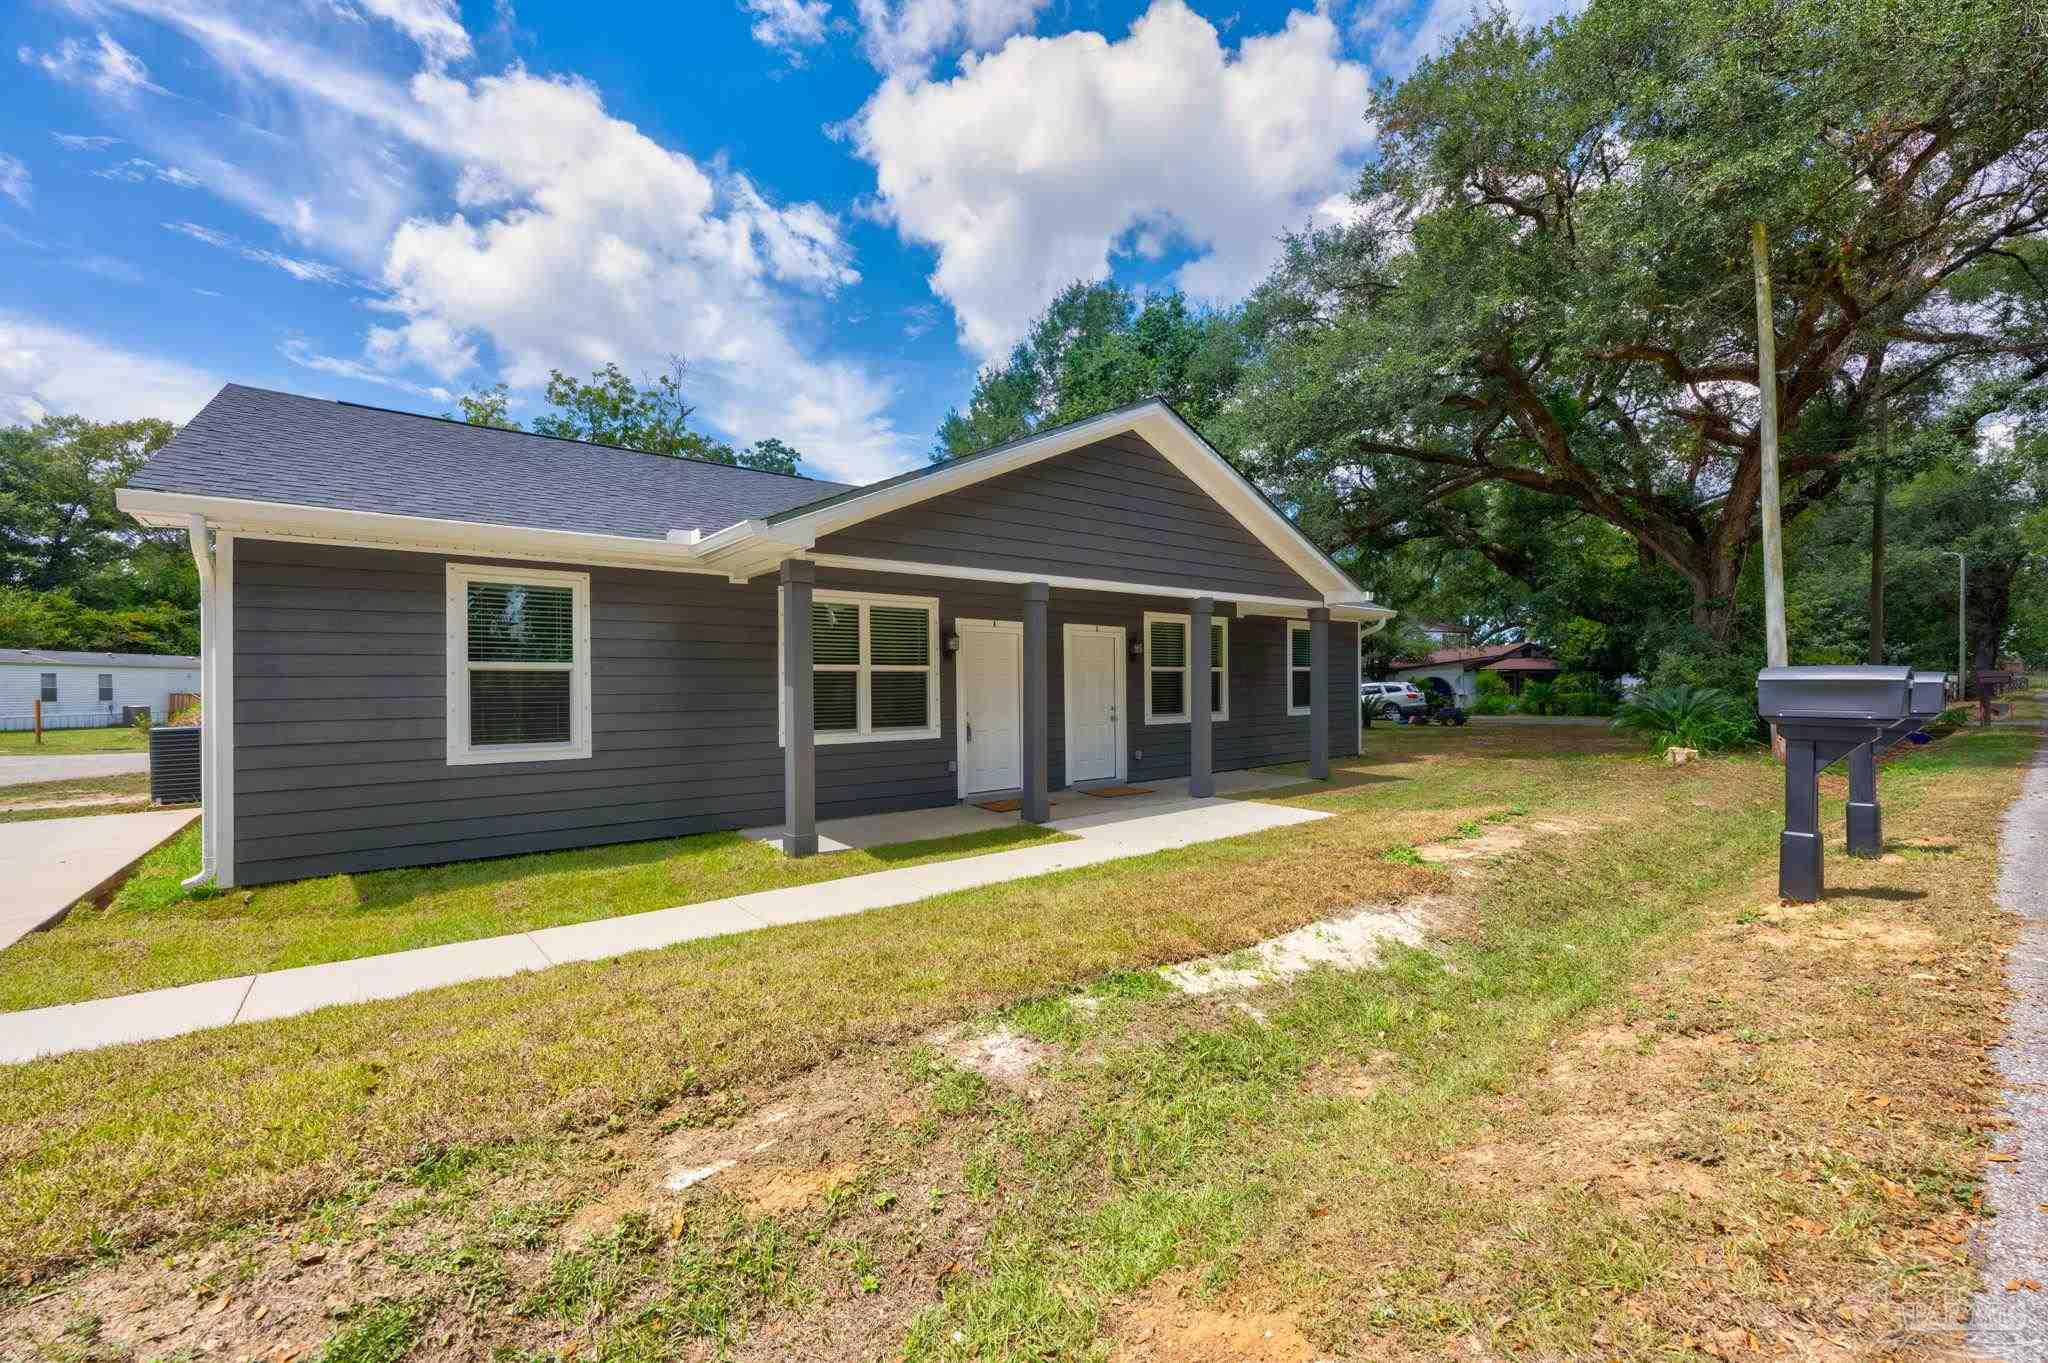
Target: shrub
(1703,717)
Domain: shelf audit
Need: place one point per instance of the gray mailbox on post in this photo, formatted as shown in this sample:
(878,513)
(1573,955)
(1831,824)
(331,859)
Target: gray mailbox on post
(1927,697)
(1825,714)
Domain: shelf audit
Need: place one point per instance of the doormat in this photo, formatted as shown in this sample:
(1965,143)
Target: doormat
(1111,792)
(1001,806)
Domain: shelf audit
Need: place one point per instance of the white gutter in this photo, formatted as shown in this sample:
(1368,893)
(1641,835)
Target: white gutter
(209,663)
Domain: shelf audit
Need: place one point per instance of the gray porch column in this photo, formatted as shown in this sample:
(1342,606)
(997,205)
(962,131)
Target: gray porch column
(800,745)
(1201,723)
(1319,693)
(1037,754)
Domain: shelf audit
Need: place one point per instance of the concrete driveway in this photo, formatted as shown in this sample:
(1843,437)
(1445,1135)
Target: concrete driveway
(25,771)
(47,865)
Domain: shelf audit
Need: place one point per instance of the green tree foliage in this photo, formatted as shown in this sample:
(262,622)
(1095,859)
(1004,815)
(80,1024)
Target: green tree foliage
(32,619)
(1982,505)
(490,406)
(611,409)
(1094,348)
(75,571)
(1544,307)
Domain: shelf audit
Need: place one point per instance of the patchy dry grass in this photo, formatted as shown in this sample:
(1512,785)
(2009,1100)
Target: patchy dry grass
(1628,1107)
(124,794)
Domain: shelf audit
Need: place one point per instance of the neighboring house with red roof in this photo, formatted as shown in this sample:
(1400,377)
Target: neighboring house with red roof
(1456,670)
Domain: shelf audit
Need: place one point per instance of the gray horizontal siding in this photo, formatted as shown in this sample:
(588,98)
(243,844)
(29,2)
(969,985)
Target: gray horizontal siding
(340,711)
(1115,510)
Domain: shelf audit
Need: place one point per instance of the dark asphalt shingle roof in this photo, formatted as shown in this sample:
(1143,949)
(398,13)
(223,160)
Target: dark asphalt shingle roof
(279,447)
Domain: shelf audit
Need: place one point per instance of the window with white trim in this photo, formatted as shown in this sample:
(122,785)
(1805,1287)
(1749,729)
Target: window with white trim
(49,688)
(106,686)
(518,664)
(874,667)
(1166,668)
(1300,666)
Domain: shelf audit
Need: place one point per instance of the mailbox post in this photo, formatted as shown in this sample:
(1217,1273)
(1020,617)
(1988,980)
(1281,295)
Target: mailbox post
(1926,698)
(1824,714)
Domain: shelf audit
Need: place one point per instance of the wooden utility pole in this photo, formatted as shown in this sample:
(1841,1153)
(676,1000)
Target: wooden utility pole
(1767,435)
(39,721)
(1767,440)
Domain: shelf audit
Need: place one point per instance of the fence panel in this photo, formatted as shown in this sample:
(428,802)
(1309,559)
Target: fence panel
(20,718)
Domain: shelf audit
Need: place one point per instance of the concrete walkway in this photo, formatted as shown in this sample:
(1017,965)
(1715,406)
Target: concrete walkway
(25,771)
(1116,829)
(47,865)
(2014,1325)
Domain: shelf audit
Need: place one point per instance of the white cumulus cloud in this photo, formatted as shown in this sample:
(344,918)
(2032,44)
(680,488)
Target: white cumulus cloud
(50,370)
(511,220)
(789,24)
(908,35)
(1041,162)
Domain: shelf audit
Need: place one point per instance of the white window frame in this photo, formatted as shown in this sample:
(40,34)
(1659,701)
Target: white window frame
(105,684)
(46,688)
(461,752)
(865,670)
(1220,664)
(1288,664)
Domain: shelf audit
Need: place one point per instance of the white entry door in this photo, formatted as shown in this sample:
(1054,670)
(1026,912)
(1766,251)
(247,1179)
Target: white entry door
(991,706)
(1095,702)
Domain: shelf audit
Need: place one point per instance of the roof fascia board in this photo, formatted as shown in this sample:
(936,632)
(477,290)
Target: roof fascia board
(376,529)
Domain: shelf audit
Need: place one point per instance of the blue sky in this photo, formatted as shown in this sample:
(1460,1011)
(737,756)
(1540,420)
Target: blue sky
(835,209)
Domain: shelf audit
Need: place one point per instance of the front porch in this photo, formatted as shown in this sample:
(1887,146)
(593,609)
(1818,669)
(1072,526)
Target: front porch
(1009,689)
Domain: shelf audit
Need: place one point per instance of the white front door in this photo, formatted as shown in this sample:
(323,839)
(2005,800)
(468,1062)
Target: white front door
(1095,671)
(991,706)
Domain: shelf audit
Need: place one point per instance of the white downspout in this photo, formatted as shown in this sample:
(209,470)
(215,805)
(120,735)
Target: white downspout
(209,663)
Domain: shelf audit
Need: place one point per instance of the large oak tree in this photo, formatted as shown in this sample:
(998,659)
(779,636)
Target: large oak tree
(1543,303)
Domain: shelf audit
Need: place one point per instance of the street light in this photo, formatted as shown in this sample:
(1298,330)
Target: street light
(1962,582)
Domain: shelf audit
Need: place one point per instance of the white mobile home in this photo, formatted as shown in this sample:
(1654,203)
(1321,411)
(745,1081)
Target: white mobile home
(88,690)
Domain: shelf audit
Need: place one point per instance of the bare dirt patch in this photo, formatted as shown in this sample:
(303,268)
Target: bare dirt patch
(1166,1327)
(1350,941)
(999,1055)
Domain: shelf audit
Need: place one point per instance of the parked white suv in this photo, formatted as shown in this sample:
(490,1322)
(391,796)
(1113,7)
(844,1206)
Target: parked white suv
(1401,696)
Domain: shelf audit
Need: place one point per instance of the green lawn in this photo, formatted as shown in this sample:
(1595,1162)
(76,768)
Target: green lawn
(1433,1155)
(68,742)
(155,933)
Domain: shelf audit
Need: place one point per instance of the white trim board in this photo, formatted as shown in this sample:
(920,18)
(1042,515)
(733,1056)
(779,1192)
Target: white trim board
(219,715)
(1247,605)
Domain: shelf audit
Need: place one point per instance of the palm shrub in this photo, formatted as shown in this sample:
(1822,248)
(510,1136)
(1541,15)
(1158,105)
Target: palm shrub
(1703,717)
